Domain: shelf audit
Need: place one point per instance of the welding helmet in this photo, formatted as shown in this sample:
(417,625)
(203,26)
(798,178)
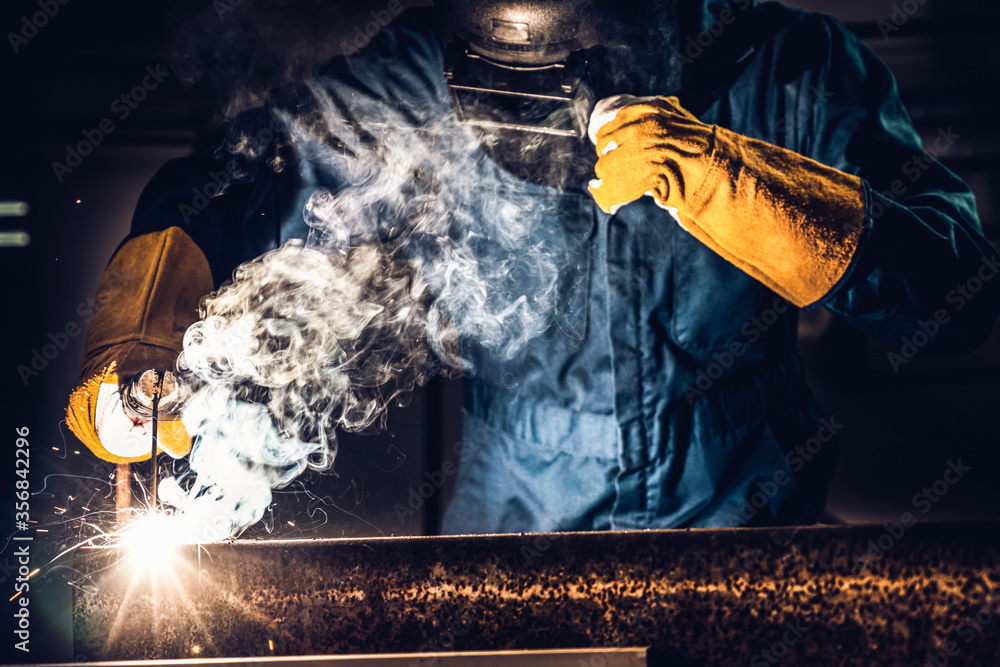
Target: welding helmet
(529,33)
(635,40)
(527,73)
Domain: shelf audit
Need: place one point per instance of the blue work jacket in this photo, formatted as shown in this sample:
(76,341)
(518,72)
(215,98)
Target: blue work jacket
(663,389)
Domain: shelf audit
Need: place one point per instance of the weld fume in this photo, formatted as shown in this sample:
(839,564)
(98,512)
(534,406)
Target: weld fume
(418,242)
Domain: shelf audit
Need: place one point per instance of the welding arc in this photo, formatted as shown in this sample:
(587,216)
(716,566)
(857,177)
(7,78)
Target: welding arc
(152,470)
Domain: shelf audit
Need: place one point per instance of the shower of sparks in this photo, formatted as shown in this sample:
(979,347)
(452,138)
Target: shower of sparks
(145,543)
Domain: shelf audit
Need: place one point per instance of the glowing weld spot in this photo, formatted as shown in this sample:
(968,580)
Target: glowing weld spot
(149,541)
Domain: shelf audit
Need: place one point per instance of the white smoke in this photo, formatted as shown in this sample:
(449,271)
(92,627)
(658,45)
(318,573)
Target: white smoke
(239,457)
(417,243)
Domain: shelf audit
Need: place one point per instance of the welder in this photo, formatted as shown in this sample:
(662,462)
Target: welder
(763,180)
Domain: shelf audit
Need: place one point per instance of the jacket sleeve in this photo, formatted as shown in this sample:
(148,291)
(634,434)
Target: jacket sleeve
(233,208)
(923,262)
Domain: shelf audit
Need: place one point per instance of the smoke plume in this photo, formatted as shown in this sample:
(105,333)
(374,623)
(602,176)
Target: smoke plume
(419,246)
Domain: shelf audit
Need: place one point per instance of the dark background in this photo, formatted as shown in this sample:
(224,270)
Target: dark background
(900,429)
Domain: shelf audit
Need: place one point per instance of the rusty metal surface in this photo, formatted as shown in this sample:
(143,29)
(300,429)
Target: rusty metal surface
(635,657)
(818,595)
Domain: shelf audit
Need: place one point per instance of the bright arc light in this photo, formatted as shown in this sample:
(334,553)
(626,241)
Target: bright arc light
(149,542)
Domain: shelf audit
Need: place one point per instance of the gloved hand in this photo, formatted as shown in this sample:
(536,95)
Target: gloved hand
(148,297)
(790,222)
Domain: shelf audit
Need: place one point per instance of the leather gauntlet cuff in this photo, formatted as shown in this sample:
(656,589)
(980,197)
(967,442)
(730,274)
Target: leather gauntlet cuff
(147,299)
(790,222)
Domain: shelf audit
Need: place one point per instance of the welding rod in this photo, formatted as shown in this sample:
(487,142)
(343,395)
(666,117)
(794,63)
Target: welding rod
(153,472)
(123,493)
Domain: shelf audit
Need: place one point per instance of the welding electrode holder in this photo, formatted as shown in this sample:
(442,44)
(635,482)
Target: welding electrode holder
(138,394)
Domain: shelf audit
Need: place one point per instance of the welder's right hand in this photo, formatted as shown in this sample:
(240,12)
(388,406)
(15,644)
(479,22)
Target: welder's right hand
(147,299)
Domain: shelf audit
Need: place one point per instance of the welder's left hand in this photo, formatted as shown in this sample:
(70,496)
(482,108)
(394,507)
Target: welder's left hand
(148,297)
(790,222)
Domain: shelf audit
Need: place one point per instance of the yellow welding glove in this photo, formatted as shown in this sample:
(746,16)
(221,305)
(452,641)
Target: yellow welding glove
(790,222)
(147,298)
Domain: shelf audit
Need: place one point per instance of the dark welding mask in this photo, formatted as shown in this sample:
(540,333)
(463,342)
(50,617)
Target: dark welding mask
(526,74)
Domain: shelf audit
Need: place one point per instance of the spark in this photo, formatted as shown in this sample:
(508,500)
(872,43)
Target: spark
(33,573)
